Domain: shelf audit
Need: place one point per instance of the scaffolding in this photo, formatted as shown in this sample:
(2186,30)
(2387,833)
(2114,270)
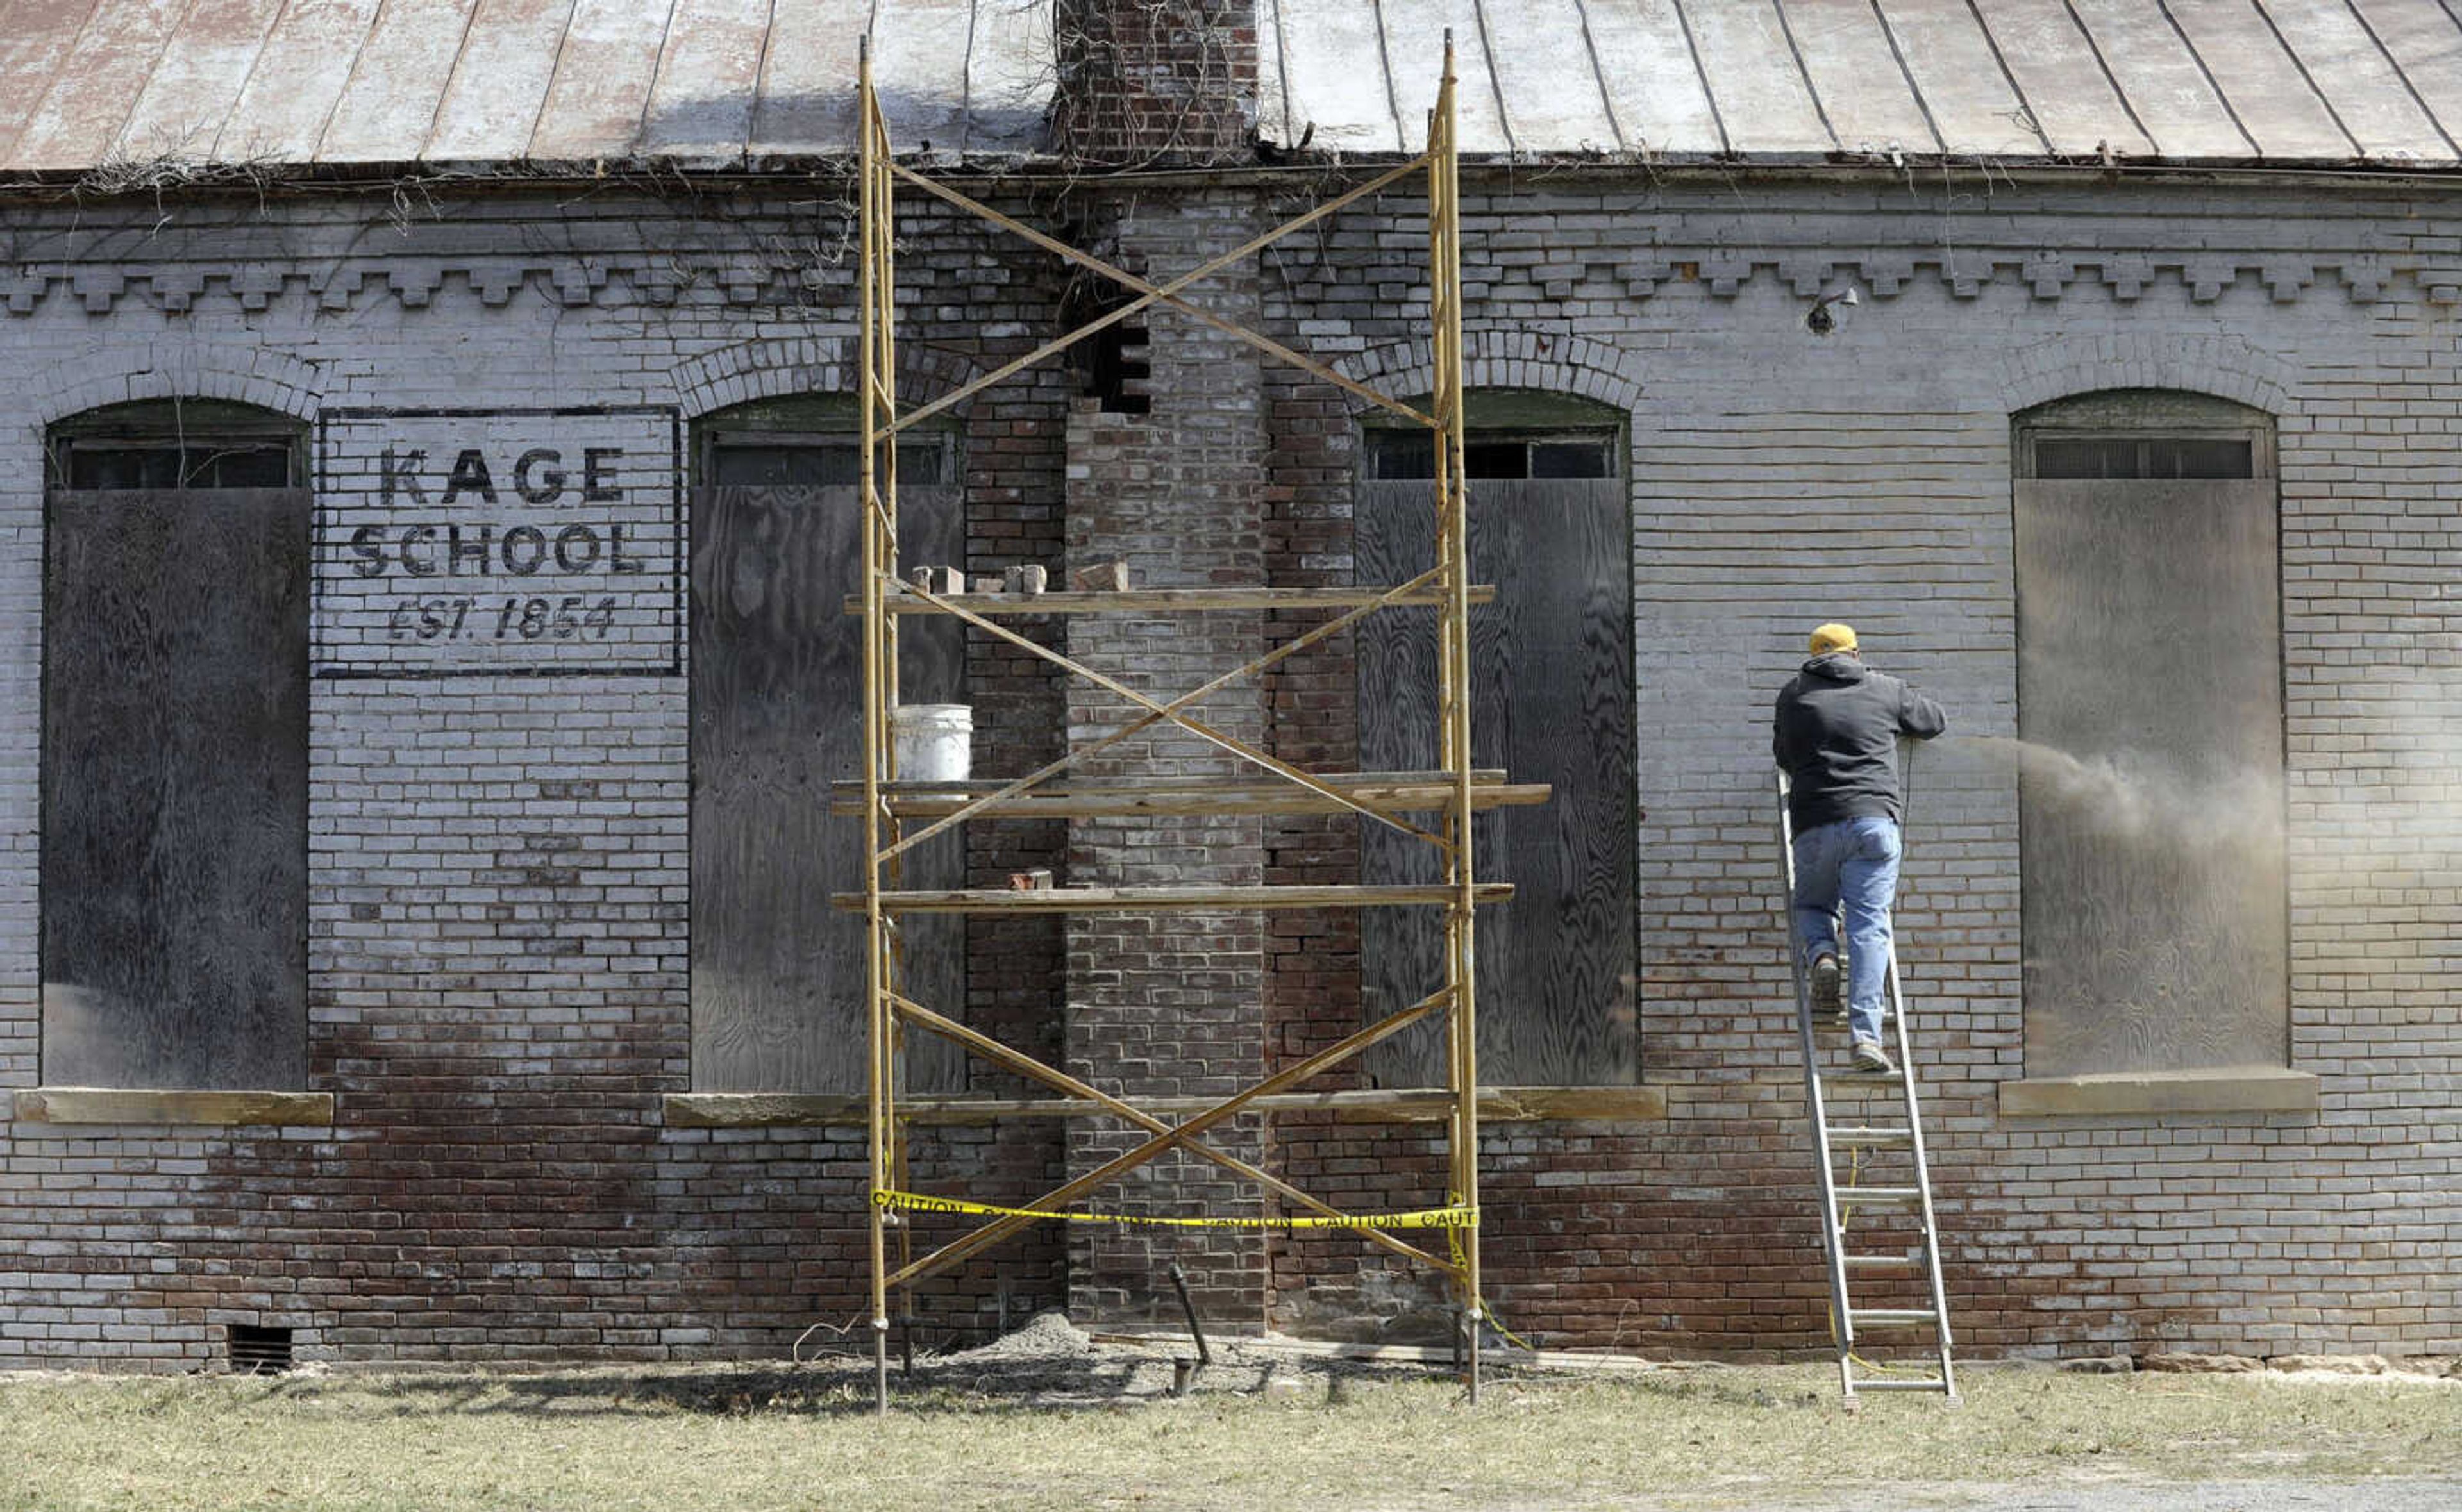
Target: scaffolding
(898,815)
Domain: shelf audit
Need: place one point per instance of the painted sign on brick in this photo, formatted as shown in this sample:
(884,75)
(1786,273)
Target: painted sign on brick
(532,542)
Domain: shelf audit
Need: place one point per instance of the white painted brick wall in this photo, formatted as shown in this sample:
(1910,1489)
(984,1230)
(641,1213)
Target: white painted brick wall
(499,862)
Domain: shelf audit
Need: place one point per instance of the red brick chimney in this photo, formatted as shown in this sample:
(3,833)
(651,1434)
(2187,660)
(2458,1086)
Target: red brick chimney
(1154,83)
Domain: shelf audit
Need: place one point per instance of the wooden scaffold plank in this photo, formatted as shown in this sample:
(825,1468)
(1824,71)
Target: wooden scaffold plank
(1166,899)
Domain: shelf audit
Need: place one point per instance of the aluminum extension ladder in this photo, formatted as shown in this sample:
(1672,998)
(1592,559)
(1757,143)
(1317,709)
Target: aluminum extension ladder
(1875,1134)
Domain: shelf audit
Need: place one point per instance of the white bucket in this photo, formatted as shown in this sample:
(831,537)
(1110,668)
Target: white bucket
(934,741)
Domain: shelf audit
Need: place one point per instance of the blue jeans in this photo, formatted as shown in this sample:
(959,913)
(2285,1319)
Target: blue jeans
(1852,867)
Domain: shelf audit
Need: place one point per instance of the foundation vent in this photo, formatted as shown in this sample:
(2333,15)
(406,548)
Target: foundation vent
(258,1350)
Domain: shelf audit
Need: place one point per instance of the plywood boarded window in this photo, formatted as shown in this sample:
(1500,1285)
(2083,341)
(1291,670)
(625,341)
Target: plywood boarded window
(1552,702)
(778,974)
(175,749)
(2150,698)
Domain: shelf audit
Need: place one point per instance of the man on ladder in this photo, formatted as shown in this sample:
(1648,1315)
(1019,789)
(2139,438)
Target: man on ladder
(1838,729)
(1836,738)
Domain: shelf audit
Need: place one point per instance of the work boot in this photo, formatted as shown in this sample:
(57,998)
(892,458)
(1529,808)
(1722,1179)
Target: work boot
(1870,1057)
(1828,1006)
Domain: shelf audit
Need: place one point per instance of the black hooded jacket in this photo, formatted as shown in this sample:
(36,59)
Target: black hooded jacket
(1837,738)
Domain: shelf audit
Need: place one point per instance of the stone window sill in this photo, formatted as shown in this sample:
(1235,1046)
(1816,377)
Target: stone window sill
(1422,1105)
(115,1105)
(2155,1094)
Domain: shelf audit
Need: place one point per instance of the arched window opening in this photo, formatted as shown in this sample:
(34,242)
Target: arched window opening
(813,441)
(176,445)
(778,974)
(1552,689)
(2150,698)
(175,748)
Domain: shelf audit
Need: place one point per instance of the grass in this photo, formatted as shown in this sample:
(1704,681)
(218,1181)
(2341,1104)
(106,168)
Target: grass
(720,1438)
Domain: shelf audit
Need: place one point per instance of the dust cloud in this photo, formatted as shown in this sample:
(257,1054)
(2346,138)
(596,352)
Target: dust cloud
(2137,798)
(2153,910)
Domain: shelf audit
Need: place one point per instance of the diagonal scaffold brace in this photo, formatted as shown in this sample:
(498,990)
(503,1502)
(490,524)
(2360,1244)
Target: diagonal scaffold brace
(887,835)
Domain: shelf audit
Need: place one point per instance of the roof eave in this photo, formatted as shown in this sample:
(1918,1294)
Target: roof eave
(154,179)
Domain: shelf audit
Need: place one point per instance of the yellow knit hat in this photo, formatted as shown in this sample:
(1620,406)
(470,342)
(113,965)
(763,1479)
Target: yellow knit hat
(1833,637)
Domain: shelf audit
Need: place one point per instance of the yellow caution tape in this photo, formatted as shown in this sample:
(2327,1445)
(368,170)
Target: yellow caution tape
(1448,1217)
(1485,1310)
(1453,1219)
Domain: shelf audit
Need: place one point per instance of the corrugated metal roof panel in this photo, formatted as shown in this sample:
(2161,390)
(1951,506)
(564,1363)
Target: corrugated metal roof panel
(921,44)
(89,84)
(2070,97)
(2190,80)
(1852,65)
(492,101)
(399,81)
(701,106)
(600,94)
(1764,97)
(2162,82)
(2425,45)
(35,41)
(1009,71)
(2275,100)
(86,83)
(197,79)
(86,104)
(1415,50)
(1966,91)
(1539,53)
(298,78)
(1661,103)
(1329,85)
(2353,75)
(807,85)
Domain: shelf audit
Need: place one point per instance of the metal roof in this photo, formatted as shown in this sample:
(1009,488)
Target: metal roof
(89,85)
(2291,81)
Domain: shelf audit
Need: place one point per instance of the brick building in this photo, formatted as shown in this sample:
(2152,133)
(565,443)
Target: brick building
(420,655)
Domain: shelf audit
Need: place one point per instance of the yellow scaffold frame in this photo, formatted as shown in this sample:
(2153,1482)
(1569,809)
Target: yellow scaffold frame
(899,817)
